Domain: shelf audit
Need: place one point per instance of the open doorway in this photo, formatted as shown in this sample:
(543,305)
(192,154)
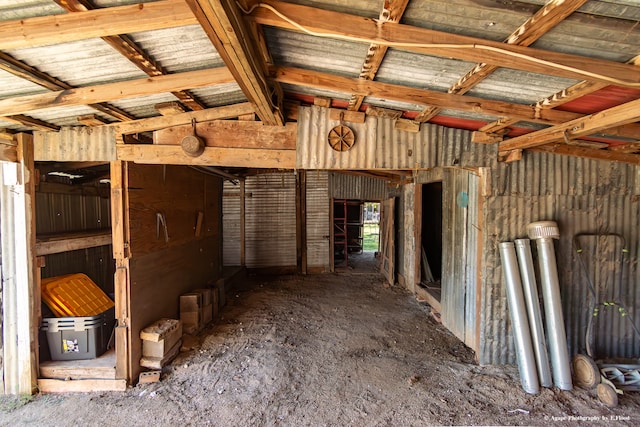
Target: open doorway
(356,235)
(431,242)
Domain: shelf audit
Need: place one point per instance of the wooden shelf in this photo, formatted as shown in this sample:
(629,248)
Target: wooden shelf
(53,244)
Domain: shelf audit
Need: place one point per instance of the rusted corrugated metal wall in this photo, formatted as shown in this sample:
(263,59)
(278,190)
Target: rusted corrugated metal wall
(318,220)
(270,206)
(379,146)
(583,196)
(64,213)
(354,187)
(231,224)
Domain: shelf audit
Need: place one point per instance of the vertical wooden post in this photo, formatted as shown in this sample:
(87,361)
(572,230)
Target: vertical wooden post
(120,241)
(243,246)
(301,221)
(20,291)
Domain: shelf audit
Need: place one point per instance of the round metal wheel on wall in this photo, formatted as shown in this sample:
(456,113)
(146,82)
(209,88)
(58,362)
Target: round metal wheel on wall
(607,395)
(341,138)
(585,372)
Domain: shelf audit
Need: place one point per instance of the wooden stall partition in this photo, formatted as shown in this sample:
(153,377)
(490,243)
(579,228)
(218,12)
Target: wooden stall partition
(174,242)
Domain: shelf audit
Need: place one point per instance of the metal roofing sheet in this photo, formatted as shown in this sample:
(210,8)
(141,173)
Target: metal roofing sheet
(179,49)
(80,63)
(301,50)
(519,87)
(11,10)
(366,8)
(428,72)
(11,86)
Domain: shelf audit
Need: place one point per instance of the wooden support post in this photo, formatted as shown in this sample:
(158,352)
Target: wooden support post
(301,221)
(119,231)
(243,246)
(20,292)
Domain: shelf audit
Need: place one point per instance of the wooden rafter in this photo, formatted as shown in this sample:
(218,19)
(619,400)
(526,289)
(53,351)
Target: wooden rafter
(223,23)
(377,89)
(597,122)
(155,123)
(437,43)
(48,30)
(114,91)
(18,68)
(130,50)
(589,153)
(392,11)
(550,15)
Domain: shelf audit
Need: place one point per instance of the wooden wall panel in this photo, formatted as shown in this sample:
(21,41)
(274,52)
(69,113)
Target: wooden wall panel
(159,278)
(178,194)
(159,271)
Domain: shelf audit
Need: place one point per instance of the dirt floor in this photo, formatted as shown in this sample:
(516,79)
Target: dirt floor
(324,350)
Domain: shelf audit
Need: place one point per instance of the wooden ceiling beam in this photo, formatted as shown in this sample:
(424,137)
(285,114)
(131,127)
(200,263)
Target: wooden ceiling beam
(547,17)
(114,91)
(55,29)
(224,24)
(130,50)
(589,153)
(448,45)
(597,122)
(319,80)
(32,123)
(156,123)
(392,11)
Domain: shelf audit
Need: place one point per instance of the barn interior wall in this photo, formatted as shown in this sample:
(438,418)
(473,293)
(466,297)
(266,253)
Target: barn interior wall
(164,266)
(58,213)
(582,196)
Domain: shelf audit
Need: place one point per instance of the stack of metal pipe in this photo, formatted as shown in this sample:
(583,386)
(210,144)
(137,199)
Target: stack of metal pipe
(526,315)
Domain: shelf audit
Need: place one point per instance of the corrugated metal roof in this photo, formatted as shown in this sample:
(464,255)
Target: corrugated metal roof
(80,63)
(19,9)
(302,50)
(179,49)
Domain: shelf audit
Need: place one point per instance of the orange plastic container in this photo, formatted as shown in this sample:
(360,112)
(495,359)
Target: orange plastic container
(74,295)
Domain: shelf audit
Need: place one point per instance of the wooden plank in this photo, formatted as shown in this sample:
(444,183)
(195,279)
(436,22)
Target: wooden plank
(424,296)
(224,24)
(8,152)
(486,138)
(212,156)
(243,244)
(48,30)
(325,81)
(388,248)
(169,108)
(71,242)
(91,120)
(447,45)
(20,290)
(102,367)
(155,123)
(392,11)
(589,153)
(407,125)
(347,116)
(115,91)
(615,116)
(80,386)
(233,134)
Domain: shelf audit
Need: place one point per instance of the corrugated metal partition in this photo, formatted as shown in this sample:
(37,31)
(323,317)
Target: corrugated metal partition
(270,203)
(583,196)
(231,224)
(318,221)
(379,146)
(460,245)
(355,187)
(65,213)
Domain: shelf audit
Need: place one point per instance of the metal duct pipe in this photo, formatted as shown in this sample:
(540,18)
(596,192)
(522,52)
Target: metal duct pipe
(518,313)
(543,232)
(525,261)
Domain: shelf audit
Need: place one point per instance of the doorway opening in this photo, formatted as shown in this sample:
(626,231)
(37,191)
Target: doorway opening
(431,242)
(356,235)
